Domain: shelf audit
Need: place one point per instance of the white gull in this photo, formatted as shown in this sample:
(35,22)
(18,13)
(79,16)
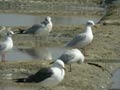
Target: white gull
(6,45)
(47,77)
(71,56)
(42,29)
(83,39)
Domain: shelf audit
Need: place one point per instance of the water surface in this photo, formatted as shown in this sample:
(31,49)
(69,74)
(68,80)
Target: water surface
(28,20)
(116,80)
(27,54)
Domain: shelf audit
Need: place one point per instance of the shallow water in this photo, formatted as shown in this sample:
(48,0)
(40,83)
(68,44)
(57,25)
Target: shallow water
(28,20)
(116,80)
(26,54)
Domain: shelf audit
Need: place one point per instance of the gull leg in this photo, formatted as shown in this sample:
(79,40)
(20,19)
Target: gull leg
(3,57)
(70,69)
(83,49)
(35,40)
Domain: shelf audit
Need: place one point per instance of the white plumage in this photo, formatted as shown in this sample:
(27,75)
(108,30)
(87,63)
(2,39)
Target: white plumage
(6,45)
(82,39)
(47,77)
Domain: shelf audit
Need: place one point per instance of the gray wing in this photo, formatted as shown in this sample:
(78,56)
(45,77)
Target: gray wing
(33,29)
(2,47)
(66,57)
(75,40)
(39,76)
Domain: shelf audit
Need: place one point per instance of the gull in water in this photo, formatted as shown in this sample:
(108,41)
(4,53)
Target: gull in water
(42,29)
(72,56)
(83,39)
(7,44)
(47,77)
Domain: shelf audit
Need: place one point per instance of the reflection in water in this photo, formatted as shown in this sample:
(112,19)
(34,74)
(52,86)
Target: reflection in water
(37,53)
(28,20)
(42,53)
(116,81)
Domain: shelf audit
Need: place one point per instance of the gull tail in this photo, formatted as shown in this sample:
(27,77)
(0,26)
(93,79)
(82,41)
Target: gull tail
(21,31)
(20,80)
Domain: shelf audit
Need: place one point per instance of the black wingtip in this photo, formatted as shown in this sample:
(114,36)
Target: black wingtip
(20,80)
(21,31)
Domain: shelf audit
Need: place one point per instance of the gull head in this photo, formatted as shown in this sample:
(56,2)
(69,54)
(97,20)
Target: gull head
(48,18)
(59,63)
(90,23)
(9,32)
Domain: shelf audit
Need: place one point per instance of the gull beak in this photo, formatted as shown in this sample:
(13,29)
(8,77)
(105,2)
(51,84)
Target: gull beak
(63,68)
(12,33)
(95,26)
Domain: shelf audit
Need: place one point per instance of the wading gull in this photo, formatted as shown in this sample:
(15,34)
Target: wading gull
(83,39)
(47,77)
(6,45)
(42,29)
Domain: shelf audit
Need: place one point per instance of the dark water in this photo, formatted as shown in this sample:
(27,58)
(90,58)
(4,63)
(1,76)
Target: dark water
(116,80)
(28,20)
(42,53)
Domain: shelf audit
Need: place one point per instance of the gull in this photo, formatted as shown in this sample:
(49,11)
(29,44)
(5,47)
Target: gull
(72,56)
(42,29)
(47,77)
(83,39)
(6,45)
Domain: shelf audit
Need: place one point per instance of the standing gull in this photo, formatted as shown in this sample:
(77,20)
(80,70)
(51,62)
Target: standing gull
(6,45)
(83,39)
(71,56)
(47,76)
(42,29)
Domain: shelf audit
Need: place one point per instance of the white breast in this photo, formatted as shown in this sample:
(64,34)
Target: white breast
(56,78)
